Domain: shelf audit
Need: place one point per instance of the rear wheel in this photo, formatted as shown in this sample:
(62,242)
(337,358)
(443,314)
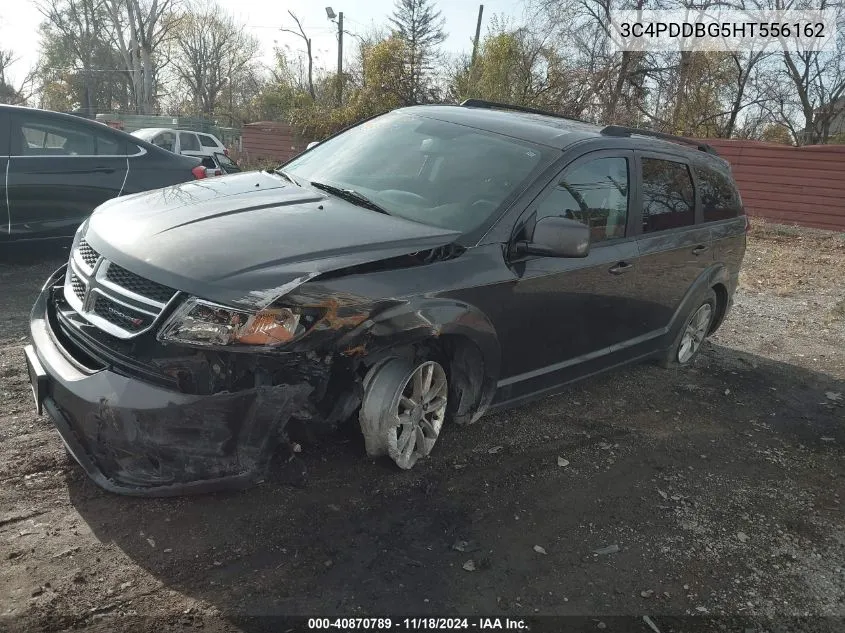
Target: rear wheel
(688,343)
(403,409)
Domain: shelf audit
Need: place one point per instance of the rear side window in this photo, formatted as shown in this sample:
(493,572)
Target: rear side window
(719,197)
(43,136)
(668,198)
(596,194)
(188,142)
(207,141)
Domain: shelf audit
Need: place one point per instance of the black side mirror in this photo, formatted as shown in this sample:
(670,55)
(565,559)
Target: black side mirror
(559,237)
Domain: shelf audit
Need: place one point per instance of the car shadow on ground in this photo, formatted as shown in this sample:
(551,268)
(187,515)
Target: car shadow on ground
(647,453)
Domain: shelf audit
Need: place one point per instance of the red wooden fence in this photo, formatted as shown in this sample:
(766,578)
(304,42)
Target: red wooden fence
(270,140)
(789,185)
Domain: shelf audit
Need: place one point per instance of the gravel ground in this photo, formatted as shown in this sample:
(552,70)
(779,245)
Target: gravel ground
(717,492)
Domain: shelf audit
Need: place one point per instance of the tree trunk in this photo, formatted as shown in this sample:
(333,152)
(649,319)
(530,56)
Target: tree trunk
(147,101)
(616,94)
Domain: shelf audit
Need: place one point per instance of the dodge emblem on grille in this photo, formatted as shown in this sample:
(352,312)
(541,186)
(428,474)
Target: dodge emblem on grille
(133,320)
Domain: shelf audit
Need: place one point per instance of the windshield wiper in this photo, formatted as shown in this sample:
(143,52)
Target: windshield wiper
(286,176)
(350,195)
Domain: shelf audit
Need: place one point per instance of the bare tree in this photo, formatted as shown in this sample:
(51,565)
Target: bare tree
(307,40)
(80,24)
(139,28)
(9,93)
(211,52)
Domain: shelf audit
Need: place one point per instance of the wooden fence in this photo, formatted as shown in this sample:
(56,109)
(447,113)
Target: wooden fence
(789,185)
(269,141)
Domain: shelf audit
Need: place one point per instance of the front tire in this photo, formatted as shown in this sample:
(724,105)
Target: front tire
(690,339)
(403,409)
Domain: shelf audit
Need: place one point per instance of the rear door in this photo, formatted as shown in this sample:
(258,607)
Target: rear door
(4,165)
(60,170)
(189,144)
(674,246)
(721,208)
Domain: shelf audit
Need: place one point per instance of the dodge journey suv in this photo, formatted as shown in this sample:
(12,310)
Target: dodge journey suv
(418,269)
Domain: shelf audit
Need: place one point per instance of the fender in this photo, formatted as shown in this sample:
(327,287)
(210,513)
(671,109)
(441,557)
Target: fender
(715,274)
(425,319)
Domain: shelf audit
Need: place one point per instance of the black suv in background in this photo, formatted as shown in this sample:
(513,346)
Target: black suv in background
(55,169)
(422,267)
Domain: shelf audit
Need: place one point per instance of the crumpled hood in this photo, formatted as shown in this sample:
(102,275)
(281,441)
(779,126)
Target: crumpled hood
(247,238)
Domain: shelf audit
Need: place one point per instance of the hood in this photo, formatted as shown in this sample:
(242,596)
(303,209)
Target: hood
(247,238)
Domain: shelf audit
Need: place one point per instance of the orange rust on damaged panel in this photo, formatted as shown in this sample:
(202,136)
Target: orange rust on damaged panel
(335,322)
(358,350)
(792,185)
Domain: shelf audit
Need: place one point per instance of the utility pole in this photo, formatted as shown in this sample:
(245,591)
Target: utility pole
(340,58)
(477,34)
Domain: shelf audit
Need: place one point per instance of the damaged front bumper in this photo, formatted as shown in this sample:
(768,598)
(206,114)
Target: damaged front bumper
(136,438)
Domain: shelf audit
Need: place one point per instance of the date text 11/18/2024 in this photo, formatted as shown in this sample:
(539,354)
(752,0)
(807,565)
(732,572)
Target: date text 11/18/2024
(418,624)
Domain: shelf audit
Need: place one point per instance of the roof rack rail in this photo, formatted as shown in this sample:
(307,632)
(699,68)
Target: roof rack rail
(621,130)
(481,103)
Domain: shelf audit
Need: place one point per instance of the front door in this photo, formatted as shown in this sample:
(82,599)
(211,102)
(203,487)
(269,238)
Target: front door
(567,316)
(59,171)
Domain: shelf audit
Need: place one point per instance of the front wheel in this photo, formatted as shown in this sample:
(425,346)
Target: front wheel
(403,409)
(688,343)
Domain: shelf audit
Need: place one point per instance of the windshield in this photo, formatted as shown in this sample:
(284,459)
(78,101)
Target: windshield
(429,171)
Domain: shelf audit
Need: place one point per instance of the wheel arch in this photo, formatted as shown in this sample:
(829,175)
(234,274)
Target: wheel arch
(713,278)
(458,330)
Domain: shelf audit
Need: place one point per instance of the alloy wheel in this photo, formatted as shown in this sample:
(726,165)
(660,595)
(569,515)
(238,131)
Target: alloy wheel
(694,333)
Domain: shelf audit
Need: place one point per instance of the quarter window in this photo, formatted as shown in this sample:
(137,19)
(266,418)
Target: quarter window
(165,140)
(188,142)
(40,136)
(207,141)
(595,193)
(668,199)
(719,197)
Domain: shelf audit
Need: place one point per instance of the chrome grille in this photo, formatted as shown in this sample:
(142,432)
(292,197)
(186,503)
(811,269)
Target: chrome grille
(87,254)
(78,286)
(114,299)
(137,284)
(121,316)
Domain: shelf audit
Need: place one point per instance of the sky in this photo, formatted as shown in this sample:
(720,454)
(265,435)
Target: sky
(19,22)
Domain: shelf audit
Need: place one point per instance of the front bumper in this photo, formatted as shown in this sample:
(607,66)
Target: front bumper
(136,438)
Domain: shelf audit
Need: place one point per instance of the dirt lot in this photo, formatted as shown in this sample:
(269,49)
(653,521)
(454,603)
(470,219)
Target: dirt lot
(722,487)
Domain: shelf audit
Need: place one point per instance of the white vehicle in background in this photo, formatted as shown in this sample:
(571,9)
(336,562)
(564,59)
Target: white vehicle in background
(184,142)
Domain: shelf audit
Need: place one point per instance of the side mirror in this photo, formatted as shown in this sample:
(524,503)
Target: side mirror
(312,144)
(559,237)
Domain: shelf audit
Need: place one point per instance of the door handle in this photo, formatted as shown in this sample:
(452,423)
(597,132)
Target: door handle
(621,267)
(701,248)
(103,170)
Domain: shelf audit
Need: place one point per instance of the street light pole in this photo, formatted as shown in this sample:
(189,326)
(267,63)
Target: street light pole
(340,58)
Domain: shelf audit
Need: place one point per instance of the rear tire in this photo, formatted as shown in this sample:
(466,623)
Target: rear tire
(690,339)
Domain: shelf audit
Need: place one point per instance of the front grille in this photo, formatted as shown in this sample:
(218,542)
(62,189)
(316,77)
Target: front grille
(87,254)
(121,316)
(137,284)
(78,286)
(115,300)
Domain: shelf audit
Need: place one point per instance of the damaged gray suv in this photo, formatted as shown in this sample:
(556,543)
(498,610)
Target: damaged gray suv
(416,270)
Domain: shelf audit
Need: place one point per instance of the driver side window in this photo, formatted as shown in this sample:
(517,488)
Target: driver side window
(594,193)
